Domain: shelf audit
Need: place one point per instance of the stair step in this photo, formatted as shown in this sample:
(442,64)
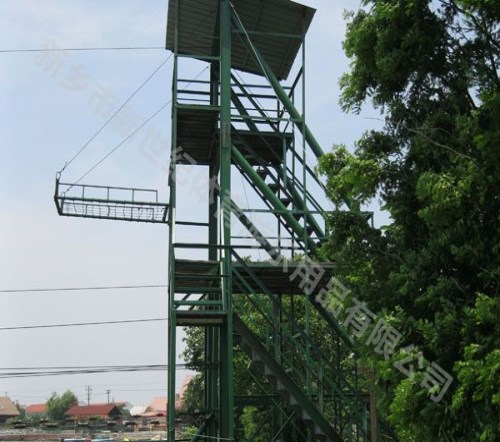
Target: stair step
(286,201)
(200,317)
(200,290)
(283,384)
(274,187)
(263,173)
(198,302)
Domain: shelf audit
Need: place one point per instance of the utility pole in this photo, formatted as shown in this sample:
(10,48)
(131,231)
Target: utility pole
(89,390)
(107,393)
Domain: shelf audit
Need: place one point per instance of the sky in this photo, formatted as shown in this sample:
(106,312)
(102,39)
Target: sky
(50,105)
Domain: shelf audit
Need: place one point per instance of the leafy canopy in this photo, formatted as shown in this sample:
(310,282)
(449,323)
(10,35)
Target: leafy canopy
(431,68)
(57,405)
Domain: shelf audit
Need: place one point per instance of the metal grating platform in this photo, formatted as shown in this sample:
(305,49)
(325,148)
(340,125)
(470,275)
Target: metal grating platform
(105,202)
(197,135)
(283,279)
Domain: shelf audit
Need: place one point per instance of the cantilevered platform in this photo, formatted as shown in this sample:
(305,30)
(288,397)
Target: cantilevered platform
(276,28)
(280,279)
(104,202)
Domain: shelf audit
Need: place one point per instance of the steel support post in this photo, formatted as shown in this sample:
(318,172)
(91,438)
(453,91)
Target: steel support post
(212,335)
(226,331)
(172,325)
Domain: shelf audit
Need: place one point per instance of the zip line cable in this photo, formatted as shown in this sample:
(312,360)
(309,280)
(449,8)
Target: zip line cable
(121,143)
(123,48)
(122,106)
(82,324)
(67,289)
(92,138)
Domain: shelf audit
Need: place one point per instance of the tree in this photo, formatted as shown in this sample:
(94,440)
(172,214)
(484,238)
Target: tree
(431,67)
(58,405)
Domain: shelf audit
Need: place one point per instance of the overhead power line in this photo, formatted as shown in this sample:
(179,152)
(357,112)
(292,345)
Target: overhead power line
(67,289)
(116,48)
(80,324)
(27,372)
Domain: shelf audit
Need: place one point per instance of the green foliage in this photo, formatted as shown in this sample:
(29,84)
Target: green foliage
(255,427)
(188,432)
(58,405)
(193,396)
(432,70)
(22,412)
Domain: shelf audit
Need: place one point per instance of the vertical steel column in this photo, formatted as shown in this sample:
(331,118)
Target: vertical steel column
(226,331)
(211,332)
(172,320)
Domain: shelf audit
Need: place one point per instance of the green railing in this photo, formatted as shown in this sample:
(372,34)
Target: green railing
(327,386)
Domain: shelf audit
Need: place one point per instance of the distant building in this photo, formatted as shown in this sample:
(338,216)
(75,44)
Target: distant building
(137,411)
(155,416)
(36,410)
(96,411)
(179,398)
(8,409)
(157,408)
(123,405)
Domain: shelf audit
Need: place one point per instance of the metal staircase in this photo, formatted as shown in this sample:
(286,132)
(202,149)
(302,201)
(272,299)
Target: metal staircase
(252,127)
(289,391)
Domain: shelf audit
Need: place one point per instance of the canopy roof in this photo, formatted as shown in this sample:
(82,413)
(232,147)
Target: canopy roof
(275,28)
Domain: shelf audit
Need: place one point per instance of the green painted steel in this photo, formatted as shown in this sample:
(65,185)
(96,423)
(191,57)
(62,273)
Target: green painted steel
(309,387)
(226,331)
(269,194)
(280,92)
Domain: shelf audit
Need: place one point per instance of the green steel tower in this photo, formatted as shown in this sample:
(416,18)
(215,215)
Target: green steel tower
(243,124)
(253,128)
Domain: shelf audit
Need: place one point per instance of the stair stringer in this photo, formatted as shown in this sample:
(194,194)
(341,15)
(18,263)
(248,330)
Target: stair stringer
(283,384)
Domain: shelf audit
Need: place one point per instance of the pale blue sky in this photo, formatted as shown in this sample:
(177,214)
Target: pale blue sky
(48,110)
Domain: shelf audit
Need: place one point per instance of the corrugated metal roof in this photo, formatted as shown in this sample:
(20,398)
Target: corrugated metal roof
(158,404)
(197,31)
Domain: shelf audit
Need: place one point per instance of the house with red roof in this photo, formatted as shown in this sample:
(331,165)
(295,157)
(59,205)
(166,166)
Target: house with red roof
(95,411)
(36,410)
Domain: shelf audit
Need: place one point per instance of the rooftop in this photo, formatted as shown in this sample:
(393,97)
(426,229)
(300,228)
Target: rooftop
(274,26)
(8,408)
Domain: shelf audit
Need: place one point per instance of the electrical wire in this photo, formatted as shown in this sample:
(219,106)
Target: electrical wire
(81,324)
(65,289)
(26,372)
(92,138)
(124,48)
